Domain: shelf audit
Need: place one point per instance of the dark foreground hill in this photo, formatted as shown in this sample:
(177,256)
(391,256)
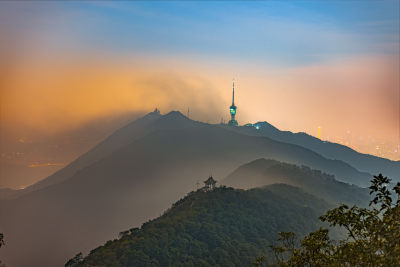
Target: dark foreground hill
(263,172)
(224,227)
(129,178)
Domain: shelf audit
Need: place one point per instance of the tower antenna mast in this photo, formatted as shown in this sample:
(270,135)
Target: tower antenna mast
(233,92)
(232,109)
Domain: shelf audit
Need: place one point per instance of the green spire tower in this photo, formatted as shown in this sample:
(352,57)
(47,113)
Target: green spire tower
(232,108)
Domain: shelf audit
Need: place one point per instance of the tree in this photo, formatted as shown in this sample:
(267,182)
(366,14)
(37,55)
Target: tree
(2,243)
(123,233)
(1,240)
(75,261)
(373,235)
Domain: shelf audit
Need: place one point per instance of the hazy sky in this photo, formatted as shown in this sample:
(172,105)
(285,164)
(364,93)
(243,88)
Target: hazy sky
(67,66)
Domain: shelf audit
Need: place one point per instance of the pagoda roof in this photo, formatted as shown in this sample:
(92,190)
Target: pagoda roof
(210,180)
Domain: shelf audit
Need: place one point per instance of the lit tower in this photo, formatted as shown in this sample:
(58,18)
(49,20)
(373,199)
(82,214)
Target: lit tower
(232,109)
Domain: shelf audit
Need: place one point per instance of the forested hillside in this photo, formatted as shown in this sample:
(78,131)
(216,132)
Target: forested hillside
(263,172)
(223,227)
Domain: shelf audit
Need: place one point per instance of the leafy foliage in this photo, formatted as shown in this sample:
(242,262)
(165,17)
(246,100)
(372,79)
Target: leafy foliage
(223,227)
(373,235)
(2,243)
(75,260)
(1,240)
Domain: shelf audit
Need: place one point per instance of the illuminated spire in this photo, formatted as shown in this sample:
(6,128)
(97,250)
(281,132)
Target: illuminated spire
(233,92)
(232,109)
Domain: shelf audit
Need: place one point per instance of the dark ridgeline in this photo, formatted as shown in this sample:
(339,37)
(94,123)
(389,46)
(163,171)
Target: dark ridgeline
(130,177)
(262,172)
(362,162)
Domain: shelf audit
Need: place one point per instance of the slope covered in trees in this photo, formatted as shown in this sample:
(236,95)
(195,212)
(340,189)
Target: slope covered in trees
(263,172)
(223,227)
(373,235)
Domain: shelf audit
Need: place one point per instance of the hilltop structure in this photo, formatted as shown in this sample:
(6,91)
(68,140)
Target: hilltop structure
(209,184)
(232,108)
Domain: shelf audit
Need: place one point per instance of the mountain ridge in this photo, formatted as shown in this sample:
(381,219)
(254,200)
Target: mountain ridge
(361,161)
(142,168)
(262,172)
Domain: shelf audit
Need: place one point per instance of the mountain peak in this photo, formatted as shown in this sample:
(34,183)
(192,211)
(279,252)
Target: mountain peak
(172,120)
(155,113)
(175,116)
(262,162)
(263,125)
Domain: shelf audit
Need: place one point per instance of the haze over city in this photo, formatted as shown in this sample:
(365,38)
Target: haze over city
(199,133)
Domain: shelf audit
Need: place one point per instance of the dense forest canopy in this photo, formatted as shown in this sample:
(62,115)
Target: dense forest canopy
(261,172)
(223,227)
(232,227)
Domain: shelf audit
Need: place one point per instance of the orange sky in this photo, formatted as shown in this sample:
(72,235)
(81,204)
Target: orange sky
(45,102)
(54,94)
(66,67)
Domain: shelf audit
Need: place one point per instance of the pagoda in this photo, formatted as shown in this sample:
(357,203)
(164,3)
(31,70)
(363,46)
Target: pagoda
(209,184)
